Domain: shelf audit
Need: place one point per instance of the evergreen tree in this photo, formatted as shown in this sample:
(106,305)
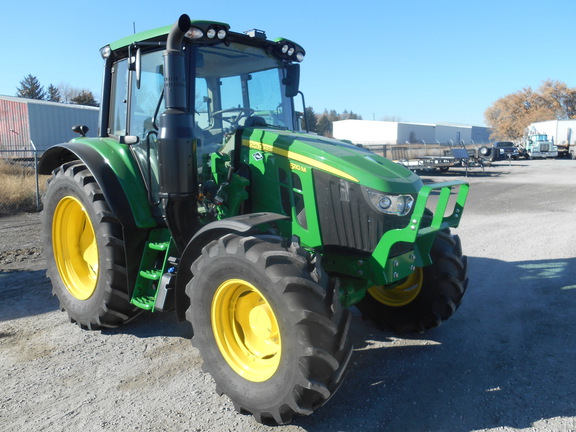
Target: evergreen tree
(324,126)
(311,120)
(31,88)
(53,94)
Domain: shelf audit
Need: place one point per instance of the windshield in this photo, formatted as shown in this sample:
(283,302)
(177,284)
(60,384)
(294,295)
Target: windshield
(237,86)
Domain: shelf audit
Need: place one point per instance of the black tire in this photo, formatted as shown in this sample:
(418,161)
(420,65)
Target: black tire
(307,349)
(430,297)
(84,250)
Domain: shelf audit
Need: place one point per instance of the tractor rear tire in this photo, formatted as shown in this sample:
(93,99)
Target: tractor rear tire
(269,326)
(427,298)
(84,250)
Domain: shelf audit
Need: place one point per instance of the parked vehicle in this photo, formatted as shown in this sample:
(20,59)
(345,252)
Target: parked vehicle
(539,146)
(501,150)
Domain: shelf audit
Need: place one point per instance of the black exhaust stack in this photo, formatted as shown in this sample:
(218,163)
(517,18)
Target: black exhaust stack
(177,143)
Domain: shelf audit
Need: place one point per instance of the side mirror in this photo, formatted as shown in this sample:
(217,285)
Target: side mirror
(292,80)
(80,129)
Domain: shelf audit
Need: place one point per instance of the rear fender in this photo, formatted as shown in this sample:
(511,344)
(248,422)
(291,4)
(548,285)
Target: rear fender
(115,171)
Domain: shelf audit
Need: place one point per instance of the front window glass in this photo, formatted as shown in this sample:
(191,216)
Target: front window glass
(237,86)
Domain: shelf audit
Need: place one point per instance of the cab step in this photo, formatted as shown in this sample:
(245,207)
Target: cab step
(154,265)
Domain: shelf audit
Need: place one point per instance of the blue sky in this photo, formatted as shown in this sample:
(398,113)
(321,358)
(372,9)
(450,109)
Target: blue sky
(417,61)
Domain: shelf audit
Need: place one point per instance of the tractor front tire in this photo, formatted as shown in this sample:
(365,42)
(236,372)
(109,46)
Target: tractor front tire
(428,297)
(269,326)
(84,250)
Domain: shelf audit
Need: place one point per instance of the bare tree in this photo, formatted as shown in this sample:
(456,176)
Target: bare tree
(510,115)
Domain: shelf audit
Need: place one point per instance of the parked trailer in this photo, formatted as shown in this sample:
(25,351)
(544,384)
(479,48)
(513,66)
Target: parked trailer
(431,157)
(424,163)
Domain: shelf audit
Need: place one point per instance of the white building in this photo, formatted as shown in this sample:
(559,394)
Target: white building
(369,132)
(561,131)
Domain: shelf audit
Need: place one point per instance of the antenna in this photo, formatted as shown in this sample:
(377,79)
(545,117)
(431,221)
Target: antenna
(134,26)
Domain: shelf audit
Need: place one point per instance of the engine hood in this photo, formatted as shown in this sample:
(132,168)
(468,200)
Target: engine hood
(336,157)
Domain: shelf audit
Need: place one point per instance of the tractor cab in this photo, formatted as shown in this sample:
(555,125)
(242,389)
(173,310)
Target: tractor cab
(232,80)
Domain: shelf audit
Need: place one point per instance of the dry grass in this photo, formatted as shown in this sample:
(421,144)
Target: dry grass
(18,188)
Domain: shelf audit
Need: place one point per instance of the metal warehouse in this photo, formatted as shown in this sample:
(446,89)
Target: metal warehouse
(28,123)
(369,132)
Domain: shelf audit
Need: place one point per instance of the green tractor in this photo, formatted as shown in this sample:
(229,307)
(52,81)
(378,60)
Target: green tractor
(202,195)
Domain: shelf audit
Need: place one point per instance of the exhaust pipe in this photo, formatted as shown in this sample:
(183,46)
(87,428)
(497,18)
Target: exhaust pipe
(177,168)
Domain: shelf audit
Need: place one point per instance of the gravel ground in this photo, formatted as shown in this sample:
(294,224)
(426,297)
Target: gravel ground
(504,362)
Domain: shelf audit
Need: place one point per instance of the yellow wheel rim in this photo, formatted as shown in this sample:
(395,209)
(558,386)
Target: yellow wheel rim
(401,294)
(246,330)
(75,248)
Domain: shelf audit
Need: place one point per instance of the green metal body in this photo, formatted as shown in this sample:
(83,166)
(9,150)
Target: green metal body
(301,156)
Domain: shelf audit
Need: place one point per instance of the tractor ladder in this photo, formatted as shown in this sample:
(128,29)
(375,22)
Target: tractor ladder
(154,285)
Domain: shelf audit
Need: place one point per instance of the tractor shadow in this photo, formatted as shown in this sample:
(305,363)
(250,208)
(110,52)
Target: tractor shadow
(505,359)
(25,293)
(154,324)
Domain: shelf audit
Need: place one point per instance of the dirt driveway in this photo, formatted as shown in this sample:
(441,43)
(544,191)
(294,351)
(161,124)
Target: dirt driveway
(506,360)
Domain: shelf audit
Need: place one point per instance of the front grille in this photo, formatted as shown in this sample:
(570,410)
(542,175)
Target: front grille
(544,147)
(348,220)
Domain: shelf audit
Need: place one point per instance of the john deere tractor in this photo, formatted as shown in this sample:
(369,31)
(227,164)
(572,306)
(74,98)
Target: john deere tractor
(202,194)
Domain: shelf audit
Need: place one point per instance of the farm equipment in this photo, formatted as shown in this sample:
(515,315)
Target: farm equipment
(201,195)
(423,163)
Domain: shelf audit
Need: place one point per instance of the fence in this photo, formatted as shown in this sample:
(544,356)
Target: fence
(20,188)
(417,150)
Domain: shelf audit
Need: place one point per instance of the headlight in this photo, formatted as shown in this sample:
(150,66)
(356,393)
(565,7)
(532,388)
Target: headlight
(399,205)
(194,33)
(404,204)
(105,52)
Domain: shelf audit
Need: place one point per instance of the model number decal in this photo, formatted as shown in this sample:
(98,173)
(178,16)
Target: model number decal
(296,167)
